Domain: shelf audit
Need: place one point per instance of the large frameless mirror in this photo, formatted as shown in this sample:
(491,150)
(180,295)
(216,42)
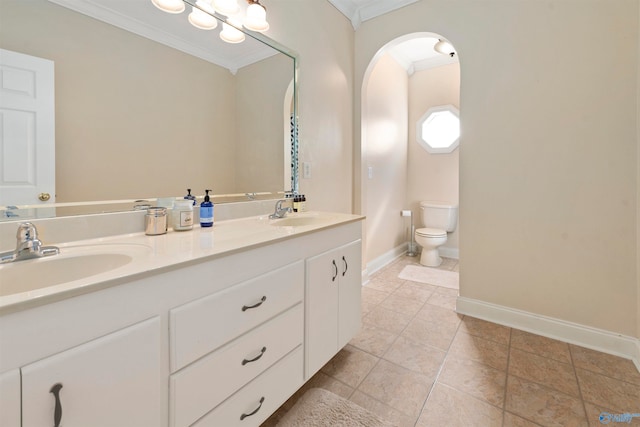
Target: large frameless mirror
(143,106)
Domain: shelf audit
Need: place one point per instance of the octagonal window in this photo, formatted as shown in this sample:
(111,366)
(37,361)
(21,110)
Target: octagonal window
(438,130)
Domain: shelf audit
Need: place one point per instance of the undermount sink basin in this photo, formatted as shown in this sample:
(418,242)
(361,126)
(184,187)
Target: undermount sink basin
(73,263)
(298,221)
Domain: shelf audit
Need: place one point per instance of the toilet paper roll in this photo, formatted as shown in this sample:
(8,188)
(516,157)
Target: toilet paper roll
(405,213)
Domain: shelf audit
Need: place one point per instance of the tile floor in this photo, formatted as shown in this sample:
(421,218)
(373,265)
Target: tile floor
(416,362)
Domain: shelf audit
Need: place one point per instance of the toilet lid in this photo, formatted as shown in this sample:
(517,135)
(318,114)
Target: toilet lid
(431,232)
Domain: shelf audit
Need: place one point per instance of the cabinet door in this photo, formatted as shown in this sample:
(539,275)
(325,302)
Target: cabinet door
(110,381)
(349,296)
(10,399)
(321,308)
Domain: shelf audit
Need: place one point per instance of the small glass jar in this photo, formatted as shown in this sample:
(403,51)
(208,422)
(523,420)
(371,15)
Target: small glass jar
(155,221)
(182,215)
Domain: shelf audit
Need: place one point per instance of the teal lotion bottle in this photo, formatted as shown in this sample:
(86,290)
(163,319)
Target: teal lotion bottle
(206,211)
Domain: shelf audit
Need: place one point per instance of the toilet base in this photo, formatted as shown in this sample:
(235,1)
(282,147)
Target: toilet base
(430,258)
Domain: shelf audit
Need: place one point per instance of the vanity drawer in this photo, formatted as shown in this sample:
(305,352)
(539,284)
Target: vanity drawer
(201,326)
(261,397)
(202,386)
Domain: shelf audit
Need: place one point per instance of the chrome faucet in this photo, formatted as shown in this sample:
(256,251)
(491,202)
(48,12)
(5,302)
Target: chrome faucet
(28,245)
(280,211)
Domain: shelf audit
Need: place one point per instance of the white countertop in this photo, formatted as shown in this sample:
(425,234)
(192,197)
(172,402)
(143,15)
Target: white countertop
(155,254)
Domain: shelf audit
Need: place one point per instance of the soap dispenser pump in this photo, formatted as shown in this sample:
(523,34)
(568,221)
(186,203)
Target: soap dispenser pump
(206,211)
(190,197)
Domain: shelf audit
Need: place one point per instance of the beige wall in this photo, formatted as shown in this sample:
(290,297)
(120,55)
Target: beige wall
(548,159)
(432,176)
(638,183)
(324,40)
(385,111)
(260,131)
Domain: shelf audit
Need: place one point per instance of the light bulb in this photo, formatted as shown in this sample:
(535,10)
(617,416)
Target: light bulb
(169,6)
(203,20)
(230,34)
(256,19)
(226,7)
(444,47)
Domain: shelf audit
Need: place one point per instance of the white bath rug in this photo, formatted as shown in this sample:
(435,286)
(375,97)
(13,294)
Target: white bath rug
(432,276)
(321,408)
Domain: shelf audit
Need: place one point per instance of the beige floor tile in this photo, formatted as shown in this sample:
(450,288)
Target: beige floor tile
(384,284)
(476,379)
(486,330)
(608,392)
(511,420)
(444,301)
(548,372)
(398,387)
(419,292)
(415,357)
(470,347)
(540,345)
(448,264)
(456,268)
(401,305)
(382,410)
(542,405)
(388,320)
(435,334)
(366,307)
(605,364)
(372,295)
(442,316)
(452,408)
(373,339)
(350,366)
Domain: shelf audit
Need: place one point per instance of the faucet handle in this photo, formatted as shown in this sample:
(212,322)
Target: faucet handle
(26,232)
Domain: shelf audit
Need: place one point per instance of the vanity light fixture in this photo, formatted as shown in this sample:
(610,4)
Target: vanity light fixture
(445,48)
(169,6)
(201,16)
(230,33)
(256,19)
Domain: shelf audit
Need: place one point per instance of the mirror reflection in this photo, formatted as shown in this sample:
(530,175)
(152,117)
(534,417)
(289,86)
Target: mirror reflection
(135,118)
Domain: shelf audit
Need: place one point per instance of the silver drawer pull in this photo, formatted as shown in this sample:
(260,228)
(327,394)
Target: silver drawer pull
(247,307)
(243,416)
(245,361)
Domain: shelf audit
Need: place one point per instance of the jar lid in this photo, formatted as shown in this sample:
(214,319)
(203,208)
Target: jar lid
(159,211)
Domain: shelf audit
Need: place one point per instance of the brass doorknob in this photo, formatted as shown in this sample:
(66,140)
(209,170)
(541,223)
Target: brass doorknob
(44,196)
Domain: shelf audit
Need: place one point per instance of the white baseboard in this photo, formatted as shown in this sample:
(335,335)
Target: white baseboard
(385,259)
(585,336)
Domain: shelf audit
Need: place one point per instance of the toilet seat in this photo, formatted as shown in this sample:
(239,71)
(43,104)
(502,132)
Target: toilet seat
(431,232)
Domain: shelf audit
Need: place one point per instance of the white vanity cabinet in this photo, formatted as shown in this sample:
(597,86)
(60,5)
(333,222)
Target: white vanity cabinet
(333,310)
(210,339)
(110,381)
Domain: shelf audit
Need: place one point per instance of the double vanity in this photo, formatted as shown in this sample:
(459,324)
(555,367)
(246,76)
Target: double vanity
(209,327)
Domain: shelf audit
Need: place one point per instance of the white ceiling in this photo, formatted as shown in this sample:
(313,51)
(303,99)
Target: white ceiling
(359,11)
(413,54)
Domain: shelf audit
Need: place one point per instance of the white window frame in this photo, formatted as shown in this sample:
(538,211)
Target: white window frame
(424,143)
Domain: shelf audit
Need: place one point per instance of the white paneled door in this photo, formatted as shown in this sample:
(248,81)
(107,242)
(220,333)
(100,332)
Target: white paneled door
(27,130)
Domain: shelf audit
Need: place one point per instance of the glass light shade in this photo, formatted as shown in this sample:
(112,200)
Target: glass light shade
(226,7)
(231,34)
(256,19)
(169,6)
(444,47)
(203,20)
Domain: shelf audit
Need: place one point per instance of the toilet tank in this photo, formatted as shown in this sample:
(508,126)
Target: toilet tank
(440,215)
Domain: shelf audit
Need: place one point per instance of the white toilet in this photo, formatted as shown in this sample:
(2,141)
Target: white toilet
(439,218)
